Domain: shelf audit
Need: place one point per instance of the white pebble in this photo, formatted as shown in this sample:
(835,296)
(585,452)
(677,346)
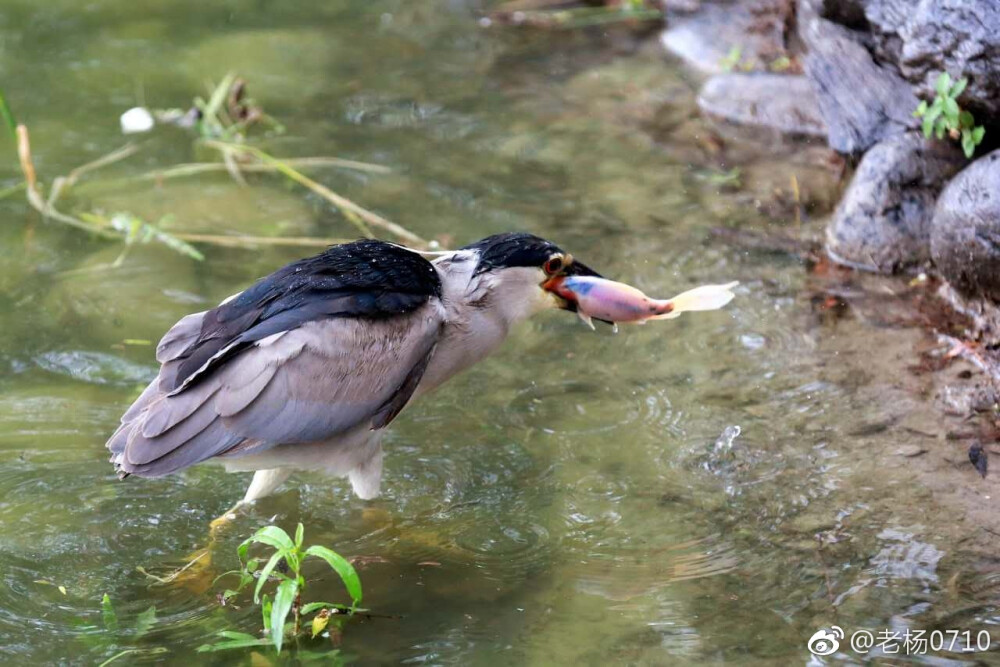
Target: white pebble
(135,120)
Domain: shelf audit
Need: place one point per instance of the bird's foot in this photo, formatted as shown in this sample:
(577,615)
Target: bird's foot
(197,569)
(216,526)
(196,573)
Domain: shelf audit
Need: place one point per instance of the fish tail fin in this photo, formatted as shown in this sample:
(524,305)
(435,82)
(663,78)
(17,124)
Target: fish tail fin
(706,297)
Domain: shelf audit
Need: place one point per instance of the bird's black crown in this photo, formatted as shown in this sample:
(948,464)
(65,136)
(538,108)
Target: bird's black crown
(521,249)
(512,249)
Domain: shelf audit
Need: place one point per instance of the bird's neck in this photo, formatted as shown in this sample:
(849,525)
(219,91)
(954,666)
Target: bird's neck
(478,319)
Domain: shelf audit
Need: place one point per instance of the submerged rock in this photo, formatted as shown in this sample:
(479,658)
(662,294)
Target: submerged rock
(884,221)
(763,106)
(266,58)
(708,39)
(95,367)
(861,102)
(631,91)
(983,314)
(965,235)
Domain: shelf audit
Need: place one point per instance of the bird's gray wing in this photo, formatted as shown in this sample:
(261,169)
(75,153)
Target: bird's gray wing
(308,384)
(320,346)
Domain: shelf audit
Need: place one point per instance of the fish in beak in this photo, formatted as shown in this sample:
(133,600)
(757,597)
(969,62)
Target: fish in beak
(593,297)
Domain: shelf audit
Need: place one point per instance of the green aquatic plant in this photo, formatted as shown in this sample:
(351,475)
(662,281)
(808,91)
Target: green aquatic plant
(284,566)
(230,112)
(944,116)
(116,631)
(136,231)
(732,60)
(222,123)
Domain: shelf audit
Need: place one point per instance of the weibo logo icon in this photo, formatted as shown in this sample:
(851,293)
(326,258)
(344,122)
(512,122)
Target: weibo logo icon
(825,642)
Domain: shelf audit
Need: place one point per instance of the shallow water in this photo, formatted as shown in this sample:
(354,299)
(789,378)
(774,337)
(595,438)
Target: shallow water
(650,497)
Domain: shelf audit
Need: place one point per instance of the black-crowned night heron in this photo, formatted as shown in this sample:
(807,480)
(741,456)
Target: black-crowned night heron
(306,368)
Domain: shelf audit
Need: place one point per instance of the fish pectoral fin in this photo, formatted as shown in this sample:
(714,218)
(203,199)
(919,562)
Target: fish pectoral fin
(586,320)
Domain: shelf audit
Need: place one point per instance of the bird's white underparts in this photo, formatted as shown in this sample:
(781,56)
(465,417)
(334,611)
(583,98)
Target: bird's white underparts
(306,368)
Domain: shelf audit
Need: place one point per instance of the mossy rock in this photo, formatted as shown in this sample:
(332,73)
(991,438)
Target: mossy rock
(280,65)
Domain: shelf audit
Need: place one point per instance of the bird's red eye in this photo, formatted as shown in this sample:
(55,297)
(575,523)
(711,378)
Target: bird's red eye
(554,265)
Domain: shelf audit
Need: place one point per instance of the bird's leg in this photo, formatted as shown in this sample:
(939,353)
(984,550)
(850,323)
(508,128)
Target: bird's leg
(196,572)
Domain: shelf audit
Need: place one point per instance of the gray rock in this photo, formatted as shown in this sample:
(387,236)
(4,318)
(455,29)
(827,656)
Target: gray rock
(923,39)
(883,222)
(861,101)
(763,105)
(705,39)
(965,235)
(983,315)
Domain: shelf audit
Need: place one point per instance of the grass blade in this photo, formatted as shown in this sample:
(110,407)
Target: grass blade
(8,116)
(198,168)
(108,614)
(342,203)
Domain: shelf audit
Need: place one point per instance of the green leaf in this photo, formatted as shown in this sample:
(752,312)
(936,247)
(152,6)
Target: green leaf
(8,116)
(316,606)
(921,109)
(958,88)
(939,128)
(943,84)
(266,573)
(968,146)
(236,640)
(180,245)
(156,650)
(108,614)
(241,551)
(977,134)
(273,537)
(342,567)
(928,126)
(226,574)
(951,109)
(265,612)
(283,600)
(145,621)
(299,536)
(965,119)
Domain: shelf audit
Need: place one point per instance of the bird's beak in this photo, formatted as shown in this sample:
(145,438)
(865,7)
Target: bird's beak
(565,298)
